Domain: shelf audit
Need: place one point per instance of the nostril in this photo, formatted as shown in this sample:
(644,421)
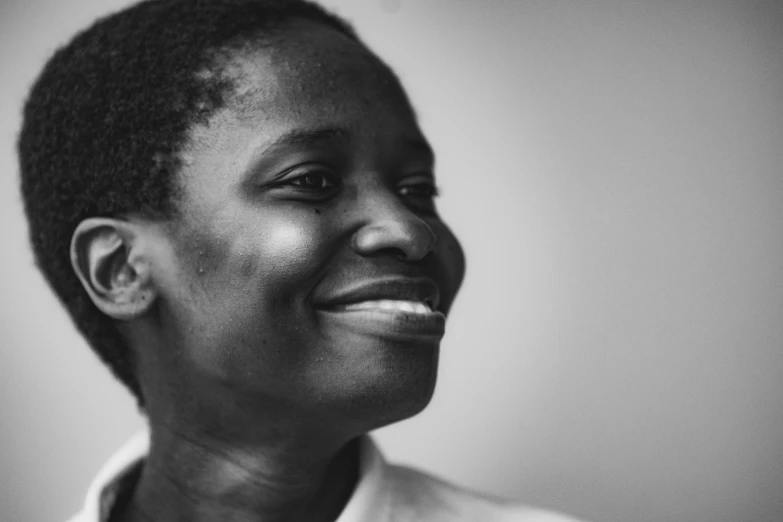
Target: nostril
(404,256)
(393,252)
(400,254)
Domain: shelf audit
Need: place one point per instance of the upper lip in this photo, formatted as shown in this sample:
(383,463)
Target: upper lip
(419,289)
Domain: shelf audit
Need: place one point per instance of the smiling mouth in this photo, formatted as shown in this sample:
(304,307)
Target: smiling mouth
(400,324)
(395,308)
(392,319)
(387,306)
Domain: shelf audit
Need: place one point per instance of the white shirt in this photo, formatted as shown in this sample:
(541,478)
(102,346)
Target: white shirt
(384,493)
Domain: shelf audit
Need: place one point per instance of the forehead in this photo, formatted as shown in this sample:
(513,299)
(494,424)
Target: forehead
(308,70)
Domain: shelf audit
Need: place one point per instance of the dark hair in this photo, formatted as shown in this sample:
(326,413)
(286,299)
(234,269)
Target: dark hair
(106,118)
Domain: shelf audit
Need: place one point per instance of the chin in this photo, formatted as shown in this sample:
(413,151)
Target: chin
(391,388)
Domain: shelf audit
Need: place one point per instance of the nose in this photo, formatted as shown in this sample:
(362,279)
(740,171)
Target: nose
(392,227)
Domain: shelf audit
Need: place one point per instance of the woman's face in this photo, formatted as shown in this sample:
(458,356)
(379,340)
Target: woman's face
(309,266)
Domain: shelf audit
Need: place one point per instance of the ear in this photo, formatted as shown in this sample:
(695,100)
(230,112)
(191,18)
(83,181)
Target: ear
(108,258)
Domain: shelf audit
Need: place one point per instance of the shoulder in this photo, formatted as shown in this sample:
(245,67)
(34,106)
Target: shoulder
(426,497)
(118,474)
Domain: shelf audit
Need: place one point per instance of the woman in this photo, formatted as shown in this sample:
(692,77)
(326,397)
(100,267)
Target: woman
(235,203)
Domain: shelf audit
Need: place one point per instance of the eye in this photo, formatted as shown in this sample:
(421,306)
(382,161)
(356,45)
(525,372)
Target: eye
(424,190)
(308,182)
(419,195)
(315,180)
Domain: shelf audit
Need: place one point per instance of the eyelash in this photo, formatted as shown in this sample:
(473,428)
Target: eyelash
(431,191)
(330,182)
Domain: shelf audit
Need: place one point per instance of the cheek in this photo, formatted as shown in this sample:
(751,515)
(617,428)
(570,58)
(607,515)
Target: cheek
(240,270)
(267,251)
(290,246)
(245,285)
(451,265)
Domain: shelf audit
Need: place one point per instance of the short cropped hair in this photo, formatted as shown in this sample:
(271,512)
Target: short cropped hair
(106,118)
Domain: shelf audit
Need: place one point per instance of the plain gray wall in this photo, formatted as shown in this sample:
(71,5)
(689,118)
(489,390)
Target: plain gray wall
(614,169)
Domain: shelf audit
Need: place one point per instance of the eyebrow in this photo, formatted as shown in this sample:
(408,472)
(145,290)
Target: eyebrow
(320,136)
(309,137)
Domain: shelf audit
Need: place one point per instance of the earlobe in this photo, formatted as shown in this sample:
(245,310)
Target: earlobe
(105,257)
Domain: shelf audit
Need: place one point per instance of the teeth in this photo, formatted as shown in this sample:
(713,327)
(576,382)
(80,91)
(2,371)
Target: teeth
(422,308)
(412,307)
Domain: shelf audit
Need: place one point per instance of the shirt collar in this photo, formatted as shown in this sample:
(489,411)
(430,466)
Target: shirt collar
(366,503)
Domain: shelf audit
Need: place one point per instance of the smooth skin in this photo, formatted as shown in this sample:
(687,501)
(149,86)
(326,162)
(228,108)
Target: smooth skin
(312,179)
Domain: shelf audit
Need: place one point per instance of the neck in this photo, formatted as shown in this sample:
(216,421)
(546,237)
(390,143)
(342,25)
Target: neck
(195,477)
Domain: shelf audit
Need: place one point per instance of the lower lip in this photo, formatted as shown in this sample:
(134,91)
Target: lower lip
(391,323)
